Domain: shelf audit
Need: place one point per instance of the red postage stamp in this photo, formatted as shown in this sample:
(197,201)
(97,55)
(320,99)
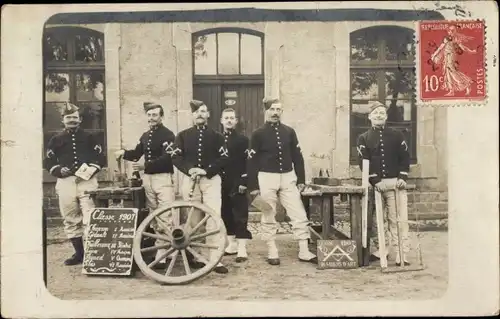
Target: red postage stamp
(452,60)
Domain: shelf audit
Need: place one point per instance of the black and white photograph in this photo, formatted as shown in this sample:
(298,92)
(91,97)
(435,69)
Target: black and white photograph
(252,154)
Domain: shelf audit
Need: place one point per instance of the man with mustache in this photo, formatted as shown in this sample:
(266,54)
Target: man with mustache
(387,151)
(66,152)
(234,176)
(156,145)
(276,171)
(200,152)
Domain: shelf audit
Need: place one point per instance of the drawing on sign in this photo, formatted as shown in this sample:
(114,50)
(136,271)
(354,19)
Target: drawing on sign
(109,243)
(230,102)
(337,253)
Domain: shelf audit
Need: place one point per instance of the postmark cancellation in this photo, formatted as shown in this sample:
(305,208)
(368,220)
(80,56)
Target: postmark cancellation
(451,63)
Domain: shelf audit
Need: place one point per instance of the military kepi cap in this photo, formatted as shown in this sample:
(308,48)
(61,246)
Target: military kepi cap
(376,105)
(268,102)
(195,105)
(150,105)
(69,108)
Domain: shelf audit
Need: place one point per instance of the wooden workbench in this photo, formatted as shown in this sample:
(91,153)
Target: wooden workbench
(323,196)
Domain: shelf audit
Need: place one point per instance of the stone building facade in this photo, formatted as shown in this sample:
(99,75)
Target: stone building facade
(324,72)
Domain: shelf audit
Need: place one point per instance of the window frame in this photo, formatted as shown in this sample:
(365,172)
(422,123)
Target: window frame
(72,68)
(227,78)
(380,66)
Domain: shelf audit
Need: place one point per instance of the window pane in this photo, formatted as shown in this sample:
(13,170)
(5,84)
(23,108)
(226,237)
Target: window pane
(399,45)
(52,115)
(90,86)
(57,87)
(54,49)
(93,115)
(89,48)
(398,110)
(399,84)
(364,85)
(205,55)
(228,53)
(364,46)
(251,54)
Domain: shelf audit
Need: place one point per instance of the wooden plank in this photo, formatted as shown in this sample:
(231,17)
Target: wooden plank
(344,189)
(355,212)
(379,209)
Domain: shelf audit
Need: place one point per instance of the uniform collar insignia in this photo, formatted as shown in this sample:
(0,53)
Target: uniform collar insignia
(228,132)
(273,124)
(201,127)
(72,130)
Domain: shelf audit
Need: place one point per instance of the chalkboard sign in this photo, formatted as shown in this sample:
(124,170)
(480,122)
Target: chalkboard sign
(337,254)
(110,236)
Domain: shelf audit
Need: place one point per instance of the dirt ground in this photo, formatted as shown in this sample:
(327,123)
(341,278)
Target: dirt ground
(255,279)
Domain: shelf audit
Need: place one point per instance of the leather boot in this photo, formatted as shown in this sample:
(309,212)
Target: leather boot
(77,257)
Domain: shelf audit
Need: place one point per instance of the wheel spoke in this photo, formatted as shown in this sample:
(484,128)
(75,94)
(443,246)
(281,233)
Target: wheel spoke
(152,248)
(203,221)
(204,245)
(176,217)
(201,236)
(186,264)
(162,256)
(197,256)
(172,263)
(189,217)
(156,236)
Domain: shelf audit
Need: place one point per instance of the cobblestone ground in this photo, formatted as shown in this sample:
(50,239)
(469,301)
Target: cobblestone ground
(255,279)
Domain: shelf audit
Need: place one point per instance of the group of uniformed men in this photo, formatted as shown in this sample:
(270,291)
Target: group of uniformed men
(227,166)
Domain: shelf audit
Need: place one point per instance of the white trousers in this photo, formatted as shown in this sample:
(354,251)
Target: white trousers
(159,190)
(75,206)
(274,186)
(390,226)
(208,192)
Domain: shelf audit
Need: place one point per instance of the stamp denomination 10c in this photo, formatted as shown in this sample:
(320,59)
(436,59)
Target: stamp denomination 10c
(452,61)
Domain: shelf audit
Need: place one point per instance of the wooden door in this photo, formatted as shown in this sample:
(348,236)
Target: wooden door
(245,99)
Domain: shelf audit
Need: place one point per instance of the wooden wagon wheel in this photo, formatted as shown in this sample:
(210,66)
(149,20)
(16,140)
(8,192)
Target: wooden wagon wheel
(181,239)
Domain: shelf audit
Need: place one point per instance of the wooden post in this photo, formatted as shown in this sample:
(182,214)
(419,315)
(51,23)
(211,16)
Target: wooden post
(356,235)
(364,203)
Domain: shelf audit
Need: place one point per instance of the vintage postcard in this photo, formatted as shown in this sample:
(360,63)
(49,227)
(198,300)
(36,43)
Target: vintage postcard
(250,159)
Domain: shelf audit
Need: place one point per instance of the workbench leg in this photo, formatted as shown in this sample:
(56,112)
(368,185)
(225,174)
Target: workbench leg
(325,216)
(356,220)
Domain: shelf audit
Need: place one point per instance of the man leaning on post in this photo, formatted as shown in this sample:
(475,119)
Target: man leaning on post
(276,171)
(387,151)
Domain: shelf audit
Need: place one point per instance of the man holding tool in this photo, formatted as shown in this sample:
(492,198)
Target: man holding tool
(74,157)
(200,153)
(389,164)
(156,145)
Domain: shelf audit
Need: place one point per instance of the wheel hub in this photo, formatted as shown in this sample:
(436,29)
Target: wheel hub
(180,238)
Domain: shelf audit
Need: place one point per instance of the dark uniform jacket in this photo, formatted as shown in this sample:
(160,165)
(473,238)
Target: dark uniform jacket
(202,147)
(235,172)
(274,148)
(387,151)
(72,148)
(156,145)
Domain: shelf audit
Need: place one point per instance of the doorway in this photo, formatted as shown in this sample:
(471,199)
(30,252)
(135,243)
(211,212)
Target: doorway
(245,99)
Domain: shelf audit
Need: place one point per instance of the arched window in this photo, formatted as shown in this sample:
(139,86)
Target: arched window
(228,52)
(74,72)
(383,69)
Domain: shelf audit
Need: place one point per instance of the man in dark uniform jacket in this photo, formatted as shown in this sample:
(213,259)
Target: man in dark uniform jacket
(387,151)
(66,152)
(201,152)
(234,181)
(156,145)
(276,171)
